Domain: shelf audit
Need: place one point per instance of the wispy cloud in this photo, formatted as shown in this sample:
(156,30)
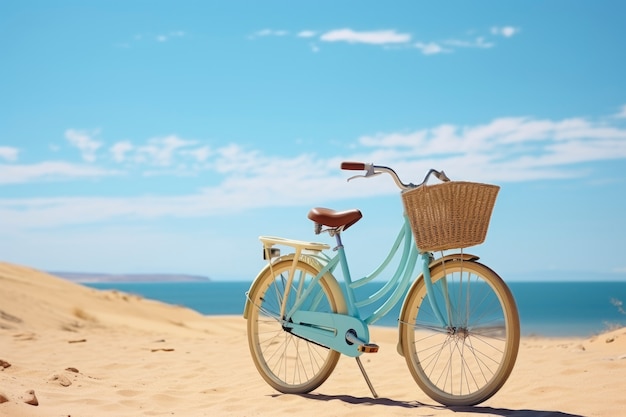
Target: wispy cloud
(120,150)
(200,154)
(170,35)
(509,149)
(49,171)
(451,45)
(378,37)
(156,152)
(478,42)
(100,160)
(160,151)
(506,149)
(393,38)
(431,48)
(83,140)
(268,32)
(152,37)
(9,153)
(306,33)
(163,152)
(506,31)
(622,113)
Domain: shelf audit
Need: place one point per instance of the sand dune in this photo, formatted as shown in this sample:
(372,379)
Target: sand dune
(76,351)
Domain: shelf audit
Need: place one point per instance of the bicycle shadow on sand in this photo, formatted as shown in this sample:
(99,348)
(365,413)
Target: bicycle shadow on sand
(478,410)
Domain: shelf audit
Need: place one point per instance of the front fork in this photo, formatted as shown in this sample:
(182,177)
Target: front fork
(438,307)
(446,319)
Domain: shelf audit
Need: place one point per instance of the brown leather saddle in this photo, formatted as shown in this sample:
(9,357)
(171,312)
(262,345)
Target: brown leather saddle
(333,218)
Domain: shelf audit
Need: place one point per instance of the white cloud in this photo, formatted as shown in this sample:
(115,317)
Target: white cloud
(50,171)
(156,152)
(379,37)
(450,45)
(307,34)
(268,32)
(252,180)
(198,154)
(501,150)
(144,37)
(84,142)
(120,149)
(506,31)
(161,151)
(9,153)
(430,48)
(506,149)
(391,37)
(479,42)
(622,113)
(168,36)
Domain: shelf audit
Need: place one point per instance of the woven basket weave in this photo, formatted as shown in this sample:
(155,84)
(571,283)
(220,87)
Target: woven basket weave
(449,215)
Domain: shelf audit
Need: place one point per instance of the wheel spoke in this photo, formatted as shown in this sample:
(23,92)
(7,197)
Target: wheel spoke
(468,361)
(287,362)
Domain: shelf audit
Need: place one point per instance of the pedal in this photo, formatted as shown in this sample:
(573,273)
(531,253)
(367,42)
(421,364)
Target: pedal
(368,348)
(352,339)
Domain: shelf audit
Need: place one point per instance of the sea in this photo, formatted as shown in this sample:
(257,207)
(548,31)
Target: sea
(550,309)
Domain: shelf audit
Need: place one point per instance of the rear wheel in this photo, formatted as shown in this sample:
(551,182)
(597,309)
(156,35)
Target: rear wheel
(287,362)
(468,360)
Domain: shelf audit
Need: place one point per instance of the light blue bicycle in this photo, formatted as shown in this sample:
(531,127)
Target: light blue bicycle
(458,326)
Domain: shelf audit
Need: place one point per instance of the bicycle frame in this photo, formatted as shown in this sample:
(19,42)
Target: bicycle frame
(394,289)
(399,283)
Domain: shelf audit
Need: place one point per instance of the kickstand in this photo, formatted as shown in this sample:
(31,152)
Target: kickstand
(369,383)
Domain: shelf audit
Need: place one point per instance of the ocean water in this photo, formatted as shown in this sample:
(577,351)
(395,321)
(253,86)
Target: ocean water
(546,308)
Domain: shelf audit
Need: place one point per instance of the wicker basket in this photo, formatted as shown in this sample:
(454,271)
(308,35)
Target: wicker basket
(449,215)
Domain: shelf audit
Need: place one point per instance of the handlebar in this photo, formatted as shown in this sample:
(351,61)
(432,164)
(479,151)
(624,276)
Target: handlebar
(373,170)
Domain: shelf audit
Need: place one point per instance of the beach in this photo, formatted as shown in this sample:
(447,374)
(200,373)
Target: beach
(69,350)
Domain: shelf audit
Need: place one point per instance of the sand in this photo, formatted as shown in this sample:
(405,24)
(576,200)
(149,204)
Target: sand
(68,350)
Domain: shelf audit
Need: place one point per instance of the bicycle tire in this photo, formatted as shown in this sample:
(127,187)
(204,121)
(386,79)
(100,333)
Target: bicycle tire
(469,361)
(289,363)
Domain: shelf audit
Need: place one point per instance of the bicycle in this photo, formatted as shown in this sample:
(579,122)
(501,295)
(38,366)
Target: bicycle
(458,326)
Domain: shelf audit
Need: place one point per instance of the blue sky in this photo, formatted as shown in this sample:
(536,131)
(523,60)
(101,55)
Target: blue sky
(163,136)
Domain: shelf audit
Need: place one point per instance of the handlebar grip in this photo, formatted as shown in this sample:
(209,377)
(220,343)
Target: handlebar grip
(353,166)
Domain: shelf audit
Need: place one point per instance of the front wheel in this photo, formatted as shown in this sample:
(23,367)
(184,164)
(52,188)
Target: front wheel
(468,357)
(287,362)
